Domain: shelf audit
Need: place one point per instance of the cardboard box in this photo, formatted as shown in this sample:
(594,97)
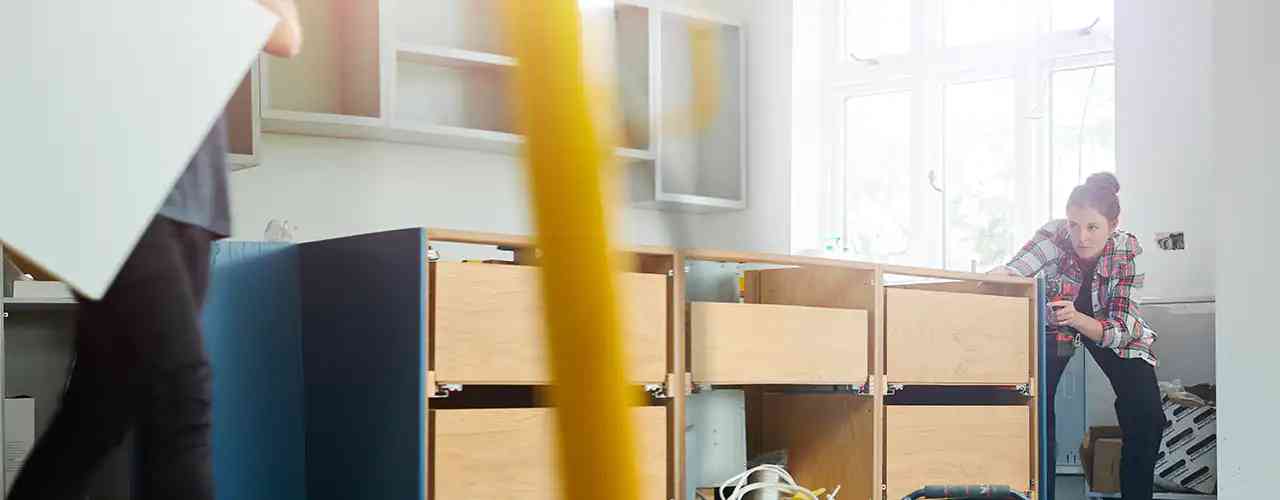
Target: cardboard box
(1105,477)
(1088,446)
(1188,458)
(19,435)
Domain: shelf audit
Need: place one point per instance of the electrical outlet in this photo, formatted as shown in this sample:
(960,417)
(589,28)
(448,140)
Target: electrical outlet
(1171,241)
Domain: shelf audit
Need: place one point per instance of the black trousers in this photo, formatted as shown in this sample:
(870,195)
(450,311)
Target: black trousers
(140,365)
(1137,408)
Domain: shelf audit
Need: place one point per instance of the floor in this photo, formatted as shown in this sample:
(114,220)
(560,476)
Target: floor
(1070,488)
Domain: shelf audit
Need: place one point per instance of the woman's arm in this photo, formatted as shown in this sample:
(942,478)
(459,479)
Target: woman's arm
(1063,312)
(1037,253)
(286,38)
(1122,324)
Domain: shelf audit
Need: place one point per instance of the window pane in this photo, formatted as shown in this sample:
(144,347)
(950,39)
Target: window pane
(878,194)
(1084,129)
(981,179)
(970,22)
(1076,14)
(875,28)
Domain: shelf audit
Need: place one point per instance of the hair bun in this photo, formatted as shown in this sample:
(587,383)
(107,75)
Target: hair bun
(1104,181)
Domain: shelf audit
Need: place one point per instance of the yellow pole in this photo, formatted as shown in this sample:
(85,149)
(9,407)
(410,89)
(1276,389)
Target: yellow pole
(566,154)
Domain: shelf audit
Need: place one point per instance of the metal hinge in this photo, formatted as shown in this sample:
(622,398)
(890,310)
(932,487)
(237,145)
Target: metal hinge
(440,391)
(884,492)
(664,390)
(6,315)
(864,389)
(1027,389)
(443,391)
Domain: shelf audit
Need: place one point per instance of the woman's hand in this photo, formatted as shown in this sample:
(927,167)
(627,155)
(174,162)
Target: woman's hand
(1064,313)
(1001,271)
(286,38)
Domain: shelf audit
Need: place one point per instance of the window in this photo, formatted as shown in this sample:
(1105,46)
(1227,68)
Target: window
(973,22)
(878,142)
(1078,14)
(876,28)
(980,164)
(1084,129)
(955,128)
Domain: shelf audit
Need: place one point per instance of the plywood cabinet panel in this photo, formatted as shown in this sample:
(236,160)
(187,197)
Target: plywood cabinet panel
(488,324)
(956,445)
(956,338)
(777,344)
(511,453)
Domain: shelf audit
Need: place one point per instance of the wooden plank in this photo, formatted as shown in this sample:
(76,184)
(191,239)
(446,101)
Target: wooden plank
(512,453)
(362,353)
(849,288)
(488,326)
(978,287)
(253,332)
(878,387)
(768,258)
(677,352)
(924,272)
(777,344)
(1033,319)
(517,241)
(829,439)
(940,337)
(956,445)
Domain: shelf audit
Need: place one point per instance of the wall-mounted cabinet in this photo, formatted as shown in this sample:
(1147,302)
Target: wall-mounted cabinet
(440,73)
(702,155)
(338,79)
(243,126)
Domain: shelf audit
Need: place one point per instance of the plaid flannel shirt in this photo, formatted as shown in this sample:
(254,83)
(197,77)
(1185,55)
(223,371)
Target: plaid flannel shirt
(1050,253)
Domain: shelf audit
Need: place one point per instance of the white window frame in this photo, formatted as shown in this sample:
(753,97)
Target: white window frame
(1031,61)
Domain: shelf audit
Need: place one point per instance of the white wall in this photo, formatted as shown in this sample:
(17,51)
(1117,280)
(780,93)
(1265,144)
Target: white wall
(1246,99)
(1163,138)
(1164,120)
(336,187)
(340,187)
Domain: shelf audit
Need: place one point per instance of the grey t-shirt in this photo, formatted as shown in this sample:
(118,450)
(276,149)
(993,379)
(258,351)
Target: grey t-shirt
(199,197)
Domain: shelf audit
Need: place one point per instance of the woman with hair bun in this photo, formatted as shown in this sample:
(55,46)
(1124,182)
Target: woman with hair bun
(1090,267)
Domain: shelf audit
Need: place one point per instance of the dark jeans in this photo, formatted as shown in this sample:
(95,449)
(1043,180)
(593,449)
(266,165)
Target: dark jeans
(140,365)
(1137,408)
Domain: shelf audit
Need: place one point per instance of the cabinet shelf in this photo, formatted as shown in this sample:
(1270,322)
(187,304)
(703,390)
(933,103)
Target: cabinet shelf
(455,58)
(350,127)
(18,304)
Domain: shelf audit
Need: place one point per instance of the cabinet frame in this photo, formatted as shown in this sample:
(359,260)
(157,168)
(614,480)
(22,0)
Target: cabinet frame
(242,161)
(681,201)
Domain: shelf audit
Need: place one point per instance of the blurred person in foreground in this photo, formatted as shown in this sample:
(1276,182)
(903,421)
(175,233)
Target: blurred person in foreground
(140,362)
